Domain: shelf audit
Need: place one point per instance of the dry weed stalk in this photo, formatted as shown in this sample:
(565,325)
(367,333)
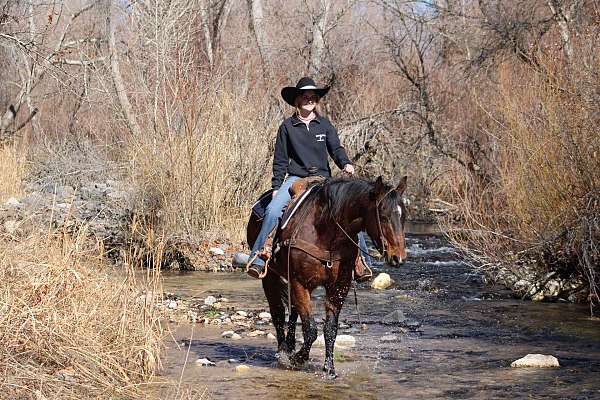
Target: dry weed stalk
(70,327)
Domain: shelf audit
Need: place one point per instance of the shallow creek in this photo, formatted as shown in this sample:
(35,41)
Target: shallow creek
(445,335)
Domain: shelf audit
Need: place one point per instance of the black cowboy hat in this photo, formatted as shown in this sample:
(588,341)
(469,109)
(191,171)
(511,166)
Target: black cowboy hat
(289,93)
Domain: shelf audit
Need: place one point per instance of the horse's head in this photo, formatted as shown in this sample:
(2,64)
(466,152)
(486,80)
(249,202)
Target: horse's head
(385,218)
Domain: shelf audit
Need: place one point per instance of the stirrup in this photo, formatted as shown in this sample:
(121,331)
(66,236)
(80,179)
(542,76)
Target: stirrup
(255,270)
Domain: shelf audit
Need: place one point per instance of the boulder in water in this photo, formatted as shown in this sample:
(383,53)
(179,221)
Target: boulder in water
(536,361)
(382,281)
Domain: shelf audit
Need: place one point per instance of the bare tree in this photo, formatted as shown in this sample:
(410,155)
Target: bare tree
(39,51)
(117,78)
(564,15)
(259,29)
(317,47)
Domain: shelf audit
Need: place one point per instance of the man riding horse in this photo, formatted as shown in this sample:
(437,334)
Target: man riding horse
(303,144)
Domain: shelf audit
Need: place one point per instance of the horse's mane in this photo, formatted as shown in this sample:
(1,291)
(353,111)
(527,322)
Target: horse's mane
(340,193)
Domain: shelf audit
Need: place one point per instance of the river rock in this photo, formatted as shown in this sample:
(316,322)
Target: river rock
(536,361)
(256,333)
(396,317)
(240,259)
(270,336)
(382,281)
(265,315)
(205,362)
(10,226)
(227,334)
(236,336)
(242,368)
(171,304)
(12,202)
(389,339)
(216,251)
(553,288)
(341,342)
(242,313)
(210,300)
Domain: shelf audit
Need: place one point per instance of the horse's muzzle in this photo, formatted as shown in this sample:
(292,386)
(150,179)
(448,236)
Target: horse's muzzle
(394,260)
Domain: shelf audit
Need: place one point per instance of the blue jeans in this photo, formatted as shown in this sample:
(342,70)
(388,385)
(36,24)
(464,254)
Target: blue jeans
(272,215)
(363,247)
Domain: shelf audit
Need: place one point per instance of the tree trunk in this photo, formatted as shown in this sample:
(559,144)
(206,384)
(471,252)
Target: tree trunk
(257,25)
(318,38)
(117,78)
(563,18)
(205,21)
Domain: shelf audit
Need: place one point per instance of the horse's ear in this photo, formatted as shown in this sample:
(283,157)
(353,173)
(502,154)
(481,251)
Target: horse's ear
(377,189)
(379,184)
(402,185)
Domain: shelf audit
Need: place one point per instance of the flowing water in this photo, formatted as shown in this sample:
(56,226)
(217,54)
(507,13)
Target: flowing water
(438,332)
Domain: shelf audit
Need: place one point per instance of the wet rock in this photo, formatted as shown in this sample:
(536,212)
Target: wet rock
(205,362)
(210,300)
(265,315)
(341,342)
(216,251)
(536,361)
(227,334)
(236,336)
(382,281)
(256,333)
(242,368)
(553,288)
(389,339)
(396,317)
(270,336)
(240,259)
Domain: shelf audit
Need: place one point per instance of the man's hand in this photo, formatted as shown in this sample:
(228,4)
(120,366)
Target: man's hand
(274,193)
(349,169)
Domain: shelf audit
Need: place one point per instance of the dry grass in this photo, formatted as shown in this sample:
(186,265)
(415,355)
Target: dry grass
(205,170)
(12,170)
(71,327)
(546,155)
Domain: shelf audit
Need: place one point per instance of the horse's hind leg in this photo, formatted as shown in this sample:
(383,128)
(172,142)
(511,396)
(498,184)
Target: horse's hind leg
(271,286)
(301,298)
(333,306)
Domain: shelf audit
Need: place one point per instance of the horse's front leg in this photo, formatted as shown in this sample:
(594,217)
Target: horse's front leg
(301,298)
(290,339)
(277,308)
(336,294)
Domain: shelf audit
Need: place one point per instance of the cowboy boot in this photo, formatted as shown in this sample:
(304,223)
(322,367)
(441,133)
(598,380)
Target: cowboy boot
(362,272)
(256,267)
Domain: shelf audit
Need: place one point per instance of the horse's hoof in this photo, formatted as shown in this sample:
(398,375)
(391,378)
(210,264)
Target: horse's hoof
(283,359)
(297,361)
(329,374)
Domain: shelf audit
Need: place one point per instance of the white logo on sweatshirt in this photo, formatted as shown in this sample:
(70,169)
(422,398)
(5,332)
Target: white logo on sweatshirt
(321,137)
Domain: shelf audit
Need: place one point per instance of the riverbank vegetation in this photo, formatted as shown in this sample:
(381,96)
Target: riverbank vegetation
(72,327)
(490,107)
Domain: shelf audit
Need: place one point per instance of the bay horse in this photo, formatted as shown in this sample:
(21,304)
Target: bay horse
(318,247)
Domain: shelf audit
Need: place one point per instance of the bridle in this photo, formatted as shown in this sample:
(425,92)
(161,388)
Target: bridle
(380,229)
(381,236)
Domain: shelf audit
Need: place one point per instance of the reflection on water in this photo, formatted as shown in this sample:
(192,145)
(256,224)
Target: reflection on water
(461,340)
